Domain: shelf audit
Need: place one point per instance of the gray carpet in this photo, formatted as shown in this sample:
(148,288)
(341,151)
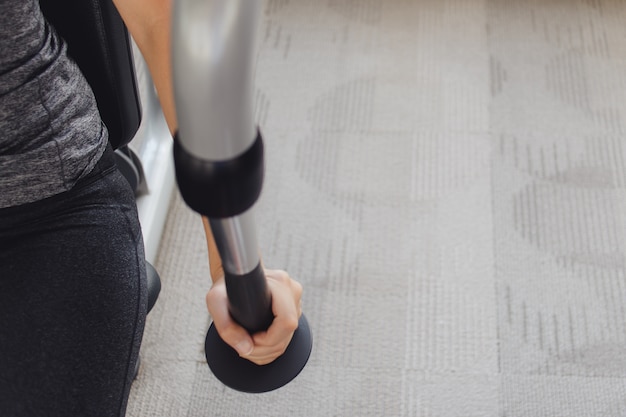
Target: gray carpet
(447,179)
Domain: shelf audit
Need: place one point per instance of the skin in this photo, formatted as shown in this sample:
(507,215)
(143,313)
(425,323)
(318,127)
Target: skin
(148,21)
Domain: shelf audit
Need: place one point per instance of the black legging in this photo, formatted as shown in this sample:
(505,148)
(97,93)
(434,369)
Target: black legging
(72,300)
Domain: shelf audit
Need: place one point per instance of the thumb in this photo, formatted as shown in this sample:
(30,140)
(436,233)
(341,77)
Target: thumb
(244,346)
(232,333)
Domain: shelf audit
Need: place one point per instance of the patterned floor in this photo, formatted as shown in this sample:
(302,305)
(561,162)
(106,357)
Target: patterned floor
(447,178)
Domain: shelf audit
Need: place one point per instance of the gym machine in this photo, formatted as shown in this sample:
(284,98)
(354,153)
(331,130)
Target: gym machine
(219,163)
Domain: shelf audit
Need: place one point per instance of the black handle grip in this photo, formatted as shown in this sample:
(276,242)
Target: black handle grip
(250,301)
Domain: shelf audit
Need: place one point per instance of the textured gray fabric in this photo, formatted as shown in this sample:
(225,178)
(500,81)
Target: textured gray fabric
(51,134)
(447,179)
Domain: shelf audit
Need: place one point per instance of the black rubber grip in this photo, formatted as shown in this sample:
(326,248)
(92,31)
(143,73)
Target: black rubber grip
(250,300)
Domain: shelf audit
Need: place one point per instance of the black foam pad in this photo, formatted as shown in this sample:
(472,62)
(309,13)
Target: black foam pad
(99,43)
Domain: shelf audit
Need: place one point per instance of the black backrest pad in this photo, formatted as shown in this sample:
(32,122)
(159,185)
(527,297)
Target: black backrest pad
(98,41)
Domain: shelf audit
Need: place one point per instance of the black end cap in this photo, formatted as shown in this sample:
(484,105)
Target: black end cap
(242,375)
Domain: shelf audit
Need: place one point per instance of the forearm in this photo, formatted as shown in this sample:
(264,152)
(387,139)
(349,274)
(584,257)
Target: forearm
(160,69)
(149,23)
(215,262)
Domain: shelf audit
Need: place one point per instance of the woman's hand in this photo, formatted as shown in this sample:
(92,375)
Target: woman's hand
(263,347)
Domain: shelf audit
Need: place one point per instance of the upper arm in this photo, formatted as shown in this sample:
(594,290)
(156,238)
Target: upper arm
(144,18)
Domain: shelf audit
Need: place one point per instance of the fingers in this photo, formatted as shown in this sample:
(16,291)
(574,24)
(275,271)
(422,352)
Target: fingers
(265,346)
(286,307)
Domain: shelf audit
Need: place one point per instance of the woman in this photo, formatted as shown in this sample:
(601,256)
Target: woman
(72,268)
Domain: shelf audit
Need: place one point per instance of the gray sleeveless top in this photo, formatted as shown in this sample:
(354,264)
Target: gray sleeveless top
(51,134)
